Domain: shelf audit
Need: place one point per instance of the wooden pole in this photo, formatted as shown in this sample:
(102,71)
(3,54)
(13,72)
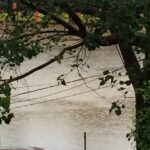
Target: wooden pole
(84,140)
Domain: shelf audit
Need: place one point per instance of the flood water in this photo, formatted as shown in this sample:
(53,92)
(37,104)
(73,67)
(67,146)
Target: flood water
(55,118)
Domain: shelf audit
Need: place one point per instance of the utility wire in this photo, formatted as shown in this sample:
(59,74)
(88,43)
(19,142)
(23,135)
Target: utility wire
(32,99)
(120,55)
(51,86)
(36,85)
(55,93)
(54,99)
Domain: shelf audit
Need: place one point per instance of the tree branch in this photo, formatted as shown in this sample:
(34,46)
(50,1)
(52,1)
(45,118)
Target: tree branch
(76,19)
(131,63)
(104,41)
(70,28)
(56,58)
(40,32)
(109,40)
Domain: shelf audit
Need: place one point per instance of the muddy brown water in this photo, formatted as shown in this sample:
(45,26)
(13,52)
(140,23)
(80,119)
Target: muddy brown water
(58,120)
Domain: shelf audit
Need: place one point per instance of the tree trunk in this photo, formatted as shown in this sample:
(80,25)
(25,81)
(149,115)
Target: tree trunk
(142,132)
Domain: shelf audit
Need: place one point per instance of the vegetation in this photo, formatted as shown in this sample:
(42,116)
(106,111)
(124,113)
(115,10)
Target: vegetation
(125,23)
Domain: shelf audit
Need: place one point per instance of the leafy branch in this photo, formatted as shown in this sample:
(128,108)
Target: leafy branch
(56,58)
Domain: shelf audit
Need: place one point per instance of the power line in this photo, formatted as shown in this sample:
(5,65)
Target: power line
(32,99)
(55,99)
(57,93)
(51,86)
(36,85)
(120,55)
(20,101)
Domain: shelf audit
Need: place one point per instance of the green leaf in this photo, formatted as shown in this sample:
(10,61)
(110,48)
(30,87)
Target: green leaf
(109,77)
(121,82)
(5,102)
(63,82)
(101,78)
(6,120)
(121,88)
(118,112)
(119,74)
(128,82)
(114,81)
(123,106)
(5,89)
(128,135)
(102,82)
(106,72)
(113,106)
(10,116)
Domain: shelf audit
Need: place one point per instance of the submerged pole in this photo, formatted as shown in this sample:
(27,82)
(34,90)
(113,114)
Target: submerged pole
(84,140)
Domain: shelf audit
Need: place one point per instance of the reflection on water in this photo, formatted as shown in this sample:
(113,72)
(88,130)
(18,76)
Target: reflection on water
(60,124)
